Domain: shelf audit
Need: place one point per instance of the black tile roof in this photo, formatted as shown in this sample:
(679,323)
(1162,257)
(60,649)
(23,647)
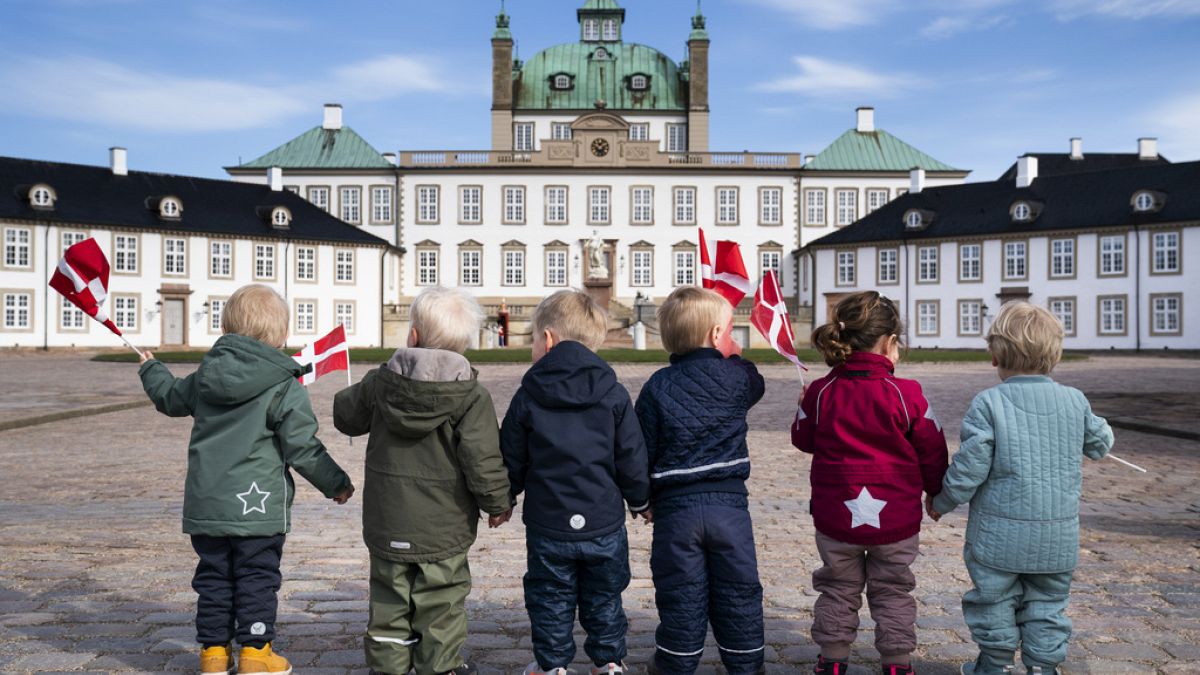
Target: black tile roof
(1068,202)
(94,196)
(1061,164)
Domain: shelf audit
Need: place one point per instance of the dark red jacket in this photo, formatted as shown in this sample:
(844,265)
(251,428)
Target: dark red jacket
(873,439)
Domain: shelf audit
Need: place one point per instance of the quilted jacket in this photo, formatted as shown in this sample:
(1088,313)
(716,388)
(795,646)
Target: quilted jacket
(876,446)
(1020,467)
(693,417)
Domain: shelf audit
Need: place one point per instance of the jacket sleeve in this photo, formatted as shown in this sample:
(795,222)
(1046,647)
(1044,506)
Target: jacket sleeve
(973,461)
(633,473)
(804,424)
(514,444)
(172,396)
(646,410)
(477,443)
(1097,435)
(354,407)
(295,428)
(756,386)
(929,441)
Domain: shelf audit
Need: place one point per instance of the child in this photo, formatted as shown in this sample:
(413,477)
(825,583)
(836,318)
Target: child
(252,422)
(433,462)
(572,445)
(1019,467)
(876,445)
(693,417)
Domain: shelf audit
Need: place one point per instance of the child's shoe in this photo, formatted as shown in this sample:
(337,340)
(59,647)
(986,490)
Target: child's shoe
(969,669)
(610,669)
(826,667)
(535,669)
(216,659)
(467,668)
(897,669)
(262,662)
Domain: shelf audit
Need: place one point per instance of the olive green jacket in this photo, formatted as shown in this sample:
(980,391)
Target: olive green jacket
(252,422)
(433,457)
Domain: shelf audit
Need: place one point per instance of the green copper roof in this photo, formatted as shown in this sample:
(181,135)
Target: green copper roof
(873,151)
(600,79)
(600,5)
(320,148)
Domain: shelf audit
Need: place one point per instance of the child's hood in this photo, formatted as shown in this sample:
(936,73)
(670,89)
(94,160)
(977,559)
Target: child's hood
(422,388)
(239,368)
(569,376)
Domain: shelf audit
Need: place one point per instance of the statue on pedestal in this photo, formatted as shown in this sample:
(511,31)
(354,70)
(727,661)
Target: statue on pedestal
(597,261)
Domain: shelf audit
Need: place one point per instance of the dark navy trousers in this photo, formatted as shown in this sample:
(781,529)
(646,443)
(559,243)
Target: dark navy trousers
(705,570)
(237,580)
(589,575)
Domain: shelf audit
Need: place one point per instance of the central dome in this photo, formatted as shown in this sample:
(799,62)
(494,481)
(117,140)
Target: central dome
(601,71)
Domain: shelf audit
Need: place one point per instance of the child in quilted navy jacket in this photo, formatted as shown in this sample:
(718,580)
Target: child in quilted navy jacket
(693,417)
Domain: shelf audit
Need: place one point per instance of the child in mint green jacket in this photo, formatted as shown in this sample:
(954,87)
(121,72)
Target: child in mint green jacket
(1019,465)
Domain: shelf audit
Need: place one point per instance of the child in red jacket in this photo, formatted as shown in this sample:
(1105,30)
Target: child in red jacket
(876,446)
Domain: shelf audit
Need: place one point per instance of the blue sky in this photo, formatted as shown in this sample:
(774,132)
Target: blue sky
(191,86)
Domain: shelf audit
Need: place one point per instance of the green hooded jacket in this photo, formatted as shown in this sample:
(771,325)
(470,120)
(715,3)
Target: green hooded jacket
(253,421)
(433,456)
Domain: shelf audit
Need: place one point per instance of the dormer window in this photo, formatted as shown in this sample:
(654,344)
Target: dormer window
(639,82)
(1021,212)
(1145,201)
(170,207)
(591,30)
(281,218)
(913,219)
(562,82)
(611,32)
(600,54)
(41,197)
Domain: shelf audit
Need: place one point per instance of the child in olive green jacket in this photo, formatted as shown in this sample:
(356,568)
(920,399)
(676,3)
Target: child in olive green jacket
(252,422)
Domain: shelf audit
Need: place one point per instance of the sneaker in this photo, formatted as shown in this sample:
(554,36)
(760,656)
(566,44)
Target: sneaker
(262,662)
(218,659)
(826,667)
(610,669)
(969,669)
(1038,670)
(467,668)
(535,669)
(897,669)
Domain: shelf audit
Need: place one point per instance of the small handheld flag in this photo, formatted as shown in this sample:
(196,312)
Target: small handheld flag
(82,278)
(722,269)
(326,355)
(770,317)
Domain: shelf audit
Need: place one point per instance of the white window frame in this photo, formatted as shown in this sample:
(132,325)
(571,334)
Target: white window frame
(18,311)
(1111,261)
(514,266)
(343,315)
(970,267)
(591,30)
(557,274)
(846,268)
(770,259)
(1166,314)
(770,206)
(928,314)
(641,267)
(18,248)
(1062,258)
(685,267)
(888,267)
(215,307)
(343,265)
(318,196)
(560,131)
(350,203)
(427,266)
(677,138)
(684,199)
(928,267)
(470,266)
(428,204)
(220,259)
(264,261)
(599,205)
(470,204)
(847,206)
(970,318)
(71,318)
(556,205)
(1063,309)
(876,199)
(727,206)
(641,205)
(1165,252)
(306,264)
(306,317)
(639,131)
(125,309)
(174,257)
(1016,265)
(514,205)
(814,206)
(610,30)
(381,204)
(125,253)
(1112,315)
(523,136)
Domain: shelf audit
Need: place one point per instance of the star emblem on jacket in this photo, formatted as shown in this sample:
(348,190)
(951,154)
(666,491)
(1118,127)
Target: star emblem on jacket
(864,509)
(249,499)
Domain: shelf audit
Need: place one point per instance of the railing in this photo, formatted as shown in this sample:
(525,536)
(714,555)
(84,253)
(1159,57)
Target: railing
(478,158)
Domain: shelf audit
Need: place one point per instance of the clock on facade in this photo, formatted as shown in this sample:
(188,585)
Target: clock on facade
(599,147)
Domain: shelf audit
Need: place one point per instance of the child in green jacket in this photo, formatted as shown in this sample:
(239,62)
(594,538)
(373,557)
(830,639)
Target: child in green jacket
(252,422)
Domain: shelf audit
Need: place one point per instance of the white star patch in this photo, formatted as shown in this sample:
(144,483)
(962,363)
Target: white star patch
(254,494)
(864,510)
(932,418)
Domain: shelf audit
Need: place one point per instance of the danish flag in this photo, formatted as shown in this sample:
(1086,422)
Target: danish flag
(722,269)
(770,317)
(325,355)
(82,278)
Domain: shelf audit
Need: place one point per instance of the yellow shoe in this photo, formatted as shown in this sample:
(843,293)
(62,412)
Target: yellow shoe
(217,659)
(262,662)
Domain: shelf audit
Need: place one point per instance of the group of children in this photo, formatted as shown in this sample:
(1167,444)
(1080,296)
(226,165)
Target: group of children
(583,454)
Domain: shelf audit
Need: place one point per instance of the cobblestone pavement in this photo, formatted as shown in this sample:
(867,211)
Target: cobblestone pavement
(94,573)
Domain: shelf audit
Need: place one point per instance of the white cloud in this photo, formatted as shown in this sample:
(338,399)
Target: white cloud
(833,14)
(1176,119)
(385,77)
(1125,9)
(820,77)
(949,26)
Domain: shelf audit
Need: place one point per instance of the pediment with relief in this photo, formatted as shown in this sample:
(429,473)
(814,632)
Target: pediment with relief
(600,122)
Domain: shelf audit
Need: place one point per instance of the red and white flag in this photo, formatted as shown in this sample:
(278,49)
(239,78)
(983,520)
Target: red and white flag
(82,278)
(770,317)
(326,355)
(722,269)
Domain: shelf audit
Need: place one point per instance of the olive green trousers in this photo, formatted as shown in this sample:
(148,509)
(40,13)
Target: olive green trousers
(418,618)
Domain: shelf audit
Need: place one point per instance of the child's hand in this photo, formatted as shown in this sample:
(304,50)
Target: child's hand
(147,356)
(803,391)
(929,509)
(345,496)
(497,521)
(647,515)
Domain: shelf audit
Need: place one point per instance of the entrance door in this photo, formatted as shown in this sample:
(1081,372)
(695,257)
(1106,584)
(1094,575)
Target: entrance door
(172,321)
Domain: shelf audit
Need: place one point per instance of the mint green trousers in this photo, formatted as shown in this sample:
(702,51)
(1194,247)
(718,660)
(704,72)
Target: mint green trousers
(418,617)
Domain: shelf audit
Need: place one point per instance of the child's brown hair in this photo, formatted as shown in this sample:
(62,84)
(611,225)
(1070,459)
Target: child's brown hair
(256,311)
(855,325)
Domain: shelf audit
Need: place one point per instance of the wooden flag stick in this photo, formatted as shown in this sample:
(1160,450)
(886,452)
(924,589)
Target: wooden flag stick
(130,345)
(1128,464)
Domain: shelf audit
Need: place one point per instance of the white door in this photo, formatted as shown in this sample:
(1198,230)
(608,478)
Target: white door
(172,322)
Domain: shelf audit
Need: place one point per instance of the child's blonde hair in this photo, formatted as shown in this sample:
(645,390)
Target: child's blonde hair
(445,318)
(1026,338)
(256,311)
(687,317)
(855,325)
(572,315)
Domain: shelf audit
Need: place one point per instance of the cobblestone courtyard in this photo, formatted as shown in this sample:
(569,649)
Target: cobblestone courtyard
(94,572)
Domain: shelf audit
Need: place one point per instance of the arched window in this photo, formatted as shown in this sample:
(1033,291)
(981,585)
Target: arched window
(591,29)
(1143,201)
(600,54)
(1021,212)
(912,219)
(280,217)
(639,83)
(611,34)
(170,207)
(41,196)
(562,81)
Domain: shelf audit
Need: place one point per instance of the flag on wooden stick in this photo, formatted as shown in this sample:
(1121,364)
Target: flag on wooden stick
(722,269)
(82,278)
(770,317)
(326,355)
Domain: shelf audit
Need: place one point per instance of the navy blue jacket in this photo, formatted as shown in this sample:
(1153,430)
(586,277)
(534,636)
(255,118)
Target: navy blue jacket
(693,417)
(571,442)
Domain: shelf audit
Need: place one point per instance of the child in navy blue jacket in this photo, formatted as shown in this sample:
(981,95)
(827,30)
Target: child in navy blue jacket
(572,444)
(693,417)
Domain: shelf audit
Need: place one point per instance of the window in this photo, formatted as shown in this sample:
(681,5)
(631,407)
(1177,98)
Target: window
(888,266)
(1112,255)
(125,312)
(1165,317)
(125,256)
(427,267)
(280,217)
(639,83)
(642,206)
(876,199)
(1143,201)
(306,263)
(381,205)
(1021,212)
(771,259)
(562,83)
(427,203)
(514,267)
(343,315)
(643,267)
(1063,309)
(970,317)
(1165,248)
(685,205)
(847,206)
(770,201)
(18,247)
(591,29)
(639,131)
(351,204)
(220,259)
(927,318)
(72,318)
(598,200)
(514,205)
(970,262)
(41,197)
(913,219)
(306,316)
(264,261)
(927,265)
(677,138)
(174,256)
(556,205)
(1014,260)
(610,30)
(685,267)
(343,266)
(18,311)
(600,54)
(814,207)
(319,197)
(215,307)
(846,272)
(470,267)
(169,208)
(523,137)
(1062,258)
(1112,314)
(556,267)
(470,204)
(69,239)
(727,206)
(560,131)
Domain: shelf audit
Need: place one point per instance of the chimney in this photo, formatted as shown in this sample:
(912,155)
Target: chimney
(333,117)
(808,159)
(1026,171)
(1077,149)
(390,158)
(275,178)
(1147,148)
(916,179)
(866,120)
(119,162)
